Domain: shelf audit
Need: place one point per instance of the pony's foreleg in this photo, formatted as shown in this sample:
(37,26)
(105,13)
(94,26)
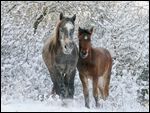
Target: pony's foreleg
(106,85)
(107,76)
(101,87)
(84,81)
(95,90)
(62,86)
(55,88)
(71,84)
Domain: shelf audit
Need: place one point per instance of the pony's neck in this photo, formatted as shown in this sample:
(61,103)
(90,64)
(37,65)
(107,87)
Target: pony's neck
(57,42)
(54,42)
(90,54)
(57,31)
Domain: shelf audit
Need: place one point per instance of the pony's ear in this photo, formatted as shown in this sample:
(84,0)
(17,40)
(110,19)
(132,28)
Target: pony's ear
(79,31)
(74,18)
(61,16)
(91,30)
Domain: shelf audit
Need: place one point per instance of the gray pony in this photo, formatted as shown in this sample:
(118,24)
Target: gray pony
(60,55)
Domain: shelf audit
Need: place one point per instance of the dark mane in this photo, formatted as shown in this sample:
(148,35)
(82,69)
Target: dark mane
(85,31)
(54,42)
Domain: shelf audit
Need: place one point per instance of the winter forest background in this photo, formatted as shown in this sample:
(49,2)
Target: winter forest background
(121,27)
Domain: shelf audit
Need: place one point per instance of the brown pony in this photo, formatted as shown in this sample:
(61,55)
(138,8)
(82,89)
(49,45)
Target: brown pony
(93,63)
(60,55)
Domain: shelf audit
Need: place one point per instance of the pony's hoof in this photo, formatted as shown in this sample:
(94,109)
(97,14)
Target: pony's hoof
(97,105)
(87,106)
(105,98)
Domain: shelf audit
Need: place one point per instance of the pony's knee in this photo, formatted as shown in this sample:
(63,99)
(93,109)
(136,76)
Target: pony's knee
(86,97)
(62,90)
(106,92)
(96,101)
(95,92)
(70,90)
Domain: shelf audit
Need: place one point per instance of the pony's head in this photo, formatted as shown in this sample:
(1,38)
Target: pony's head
(84,36)
(66,32)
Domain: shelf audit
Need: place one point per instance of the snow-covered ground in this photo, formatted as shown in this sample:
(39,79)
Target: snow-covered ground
(122,99)
(73,106)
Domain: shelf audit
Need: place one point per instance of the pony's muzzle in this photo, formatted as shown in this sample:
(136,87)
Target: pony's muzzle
(68,47)
(84,53)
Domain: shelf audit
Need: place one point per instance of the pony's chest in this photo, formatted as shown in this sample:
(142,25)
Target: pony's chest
(87,69)
(65,63)
(64,59)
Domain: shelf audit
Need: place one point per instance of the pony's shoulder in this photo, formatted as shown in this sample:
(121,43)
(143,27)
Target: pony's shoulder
(99,51)
(103,51)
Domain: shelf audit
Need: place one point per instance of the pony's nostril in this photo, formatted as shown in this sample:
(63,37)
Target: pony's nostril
(83,52)
(65,47)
